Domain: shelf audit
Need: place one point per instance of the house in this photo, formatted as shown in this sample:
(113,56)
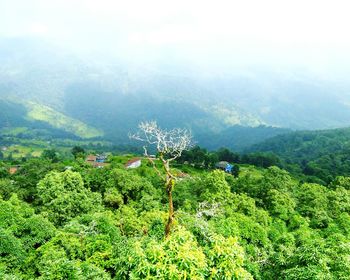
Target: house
(97,161)
(224,165)
(90,158)
(133,163)
(221,165)
(101,158)
(228,168)
(14,169)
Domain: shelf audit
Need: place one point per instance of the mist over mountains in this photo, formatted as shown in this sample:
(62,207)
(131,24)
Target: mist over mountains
(42,85)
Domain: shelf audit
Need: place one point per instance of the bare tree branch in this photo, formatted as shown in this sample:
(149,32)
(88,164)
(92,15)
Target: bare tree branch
(169,144)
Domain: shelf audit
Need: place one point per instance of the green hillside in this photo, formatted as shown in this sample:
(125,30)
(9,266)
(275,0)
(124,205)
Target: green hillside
(323,154)
(33,120)
(60,121)
(36,120)
(111,95)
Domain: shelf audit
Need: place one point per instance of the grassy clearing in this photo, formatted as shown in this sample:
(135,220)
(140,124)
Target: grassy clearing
(61,121)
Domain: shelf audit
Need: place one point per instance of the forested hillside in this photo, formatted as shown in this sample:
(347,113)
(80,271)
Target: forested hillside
(320,154)
(64,219)
(33,121)
(89,96)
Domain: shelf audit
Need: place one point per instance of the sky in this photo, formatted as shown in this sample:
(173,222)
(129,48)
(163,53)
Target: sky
(312,34)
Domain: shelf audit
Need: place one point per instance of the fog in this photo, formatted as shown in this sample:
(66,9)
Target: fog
(216,36)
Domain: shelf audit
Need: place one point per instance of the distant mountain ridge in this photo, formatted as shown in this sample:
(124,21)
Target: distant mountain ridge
(91,97)
(306,145)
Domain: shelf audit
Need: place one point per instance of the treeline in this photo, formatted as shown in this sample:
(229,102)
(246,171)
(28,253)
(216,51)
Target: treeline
(315,157)
(200,157)
(318,156)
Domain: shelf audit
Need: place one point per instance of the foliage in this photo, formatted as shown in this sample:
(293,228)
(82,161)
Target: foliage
(78,151)
(63,196)
(50,154)
(108,223)
(314,156)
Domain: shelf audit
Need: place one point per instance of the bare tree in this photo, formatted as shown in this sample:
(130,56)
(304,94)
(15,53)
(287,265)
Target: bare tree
(169,144)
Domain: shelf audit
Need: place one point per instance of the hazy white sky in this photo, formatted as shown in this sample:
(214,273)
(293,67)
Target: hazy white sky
(313,32)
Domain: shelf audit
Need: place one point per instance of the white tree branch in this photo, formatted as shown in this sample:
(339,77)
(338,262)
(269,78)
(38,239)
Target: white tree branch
(169,143)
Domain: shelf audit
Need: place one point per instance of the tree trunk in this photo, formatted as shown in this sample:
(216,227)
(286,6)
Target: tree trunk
(169,189)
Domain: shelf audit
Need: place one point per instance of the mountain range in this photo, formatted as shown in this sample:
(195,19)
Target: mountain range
(46,87)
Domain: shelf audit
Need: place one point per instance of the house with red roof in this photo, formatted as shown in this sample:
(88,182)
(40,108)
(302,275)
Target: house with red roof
(133,163)
(97,161)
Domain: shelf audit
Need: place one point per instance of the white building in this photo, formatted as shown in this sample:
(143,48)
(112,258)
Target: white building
(133,163)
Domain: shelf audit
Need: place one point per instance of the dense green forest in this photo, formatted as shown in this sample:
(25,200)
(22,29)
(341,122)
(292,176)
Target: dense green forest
(319,156)
(60,218)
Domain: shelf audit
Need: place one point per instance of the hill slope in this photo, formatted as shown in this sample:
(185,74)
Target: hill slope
(110,97)
(324,154)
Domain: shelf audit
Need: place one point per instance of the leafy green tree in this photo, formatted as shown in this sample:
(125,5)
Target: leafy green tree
(211,160)
(21,232)
(259,187)
(4,170)
(264,160)
(28,176)
(235,170)
(281,204)
(338,202)
(124,187)
(226,259)
(341,181)
(63,196)
(94,178)
(215,187)
(225,154)
(7,188)
(50,154)
(113,198)
(313,203)
(78,152)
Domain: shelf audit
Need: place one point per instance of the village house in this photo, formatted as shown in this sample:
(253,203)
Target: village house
(101,158)
(14,169)
(133,163)
(225,166)
(91,158)
(97,161)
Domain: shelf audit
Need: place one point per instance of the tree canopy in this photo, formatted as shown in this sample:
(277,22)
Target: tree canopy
(108,223)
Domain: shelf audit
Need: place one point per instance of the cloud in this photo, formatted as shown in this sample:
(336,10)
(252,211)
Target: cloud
(38,29)
(312,32)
